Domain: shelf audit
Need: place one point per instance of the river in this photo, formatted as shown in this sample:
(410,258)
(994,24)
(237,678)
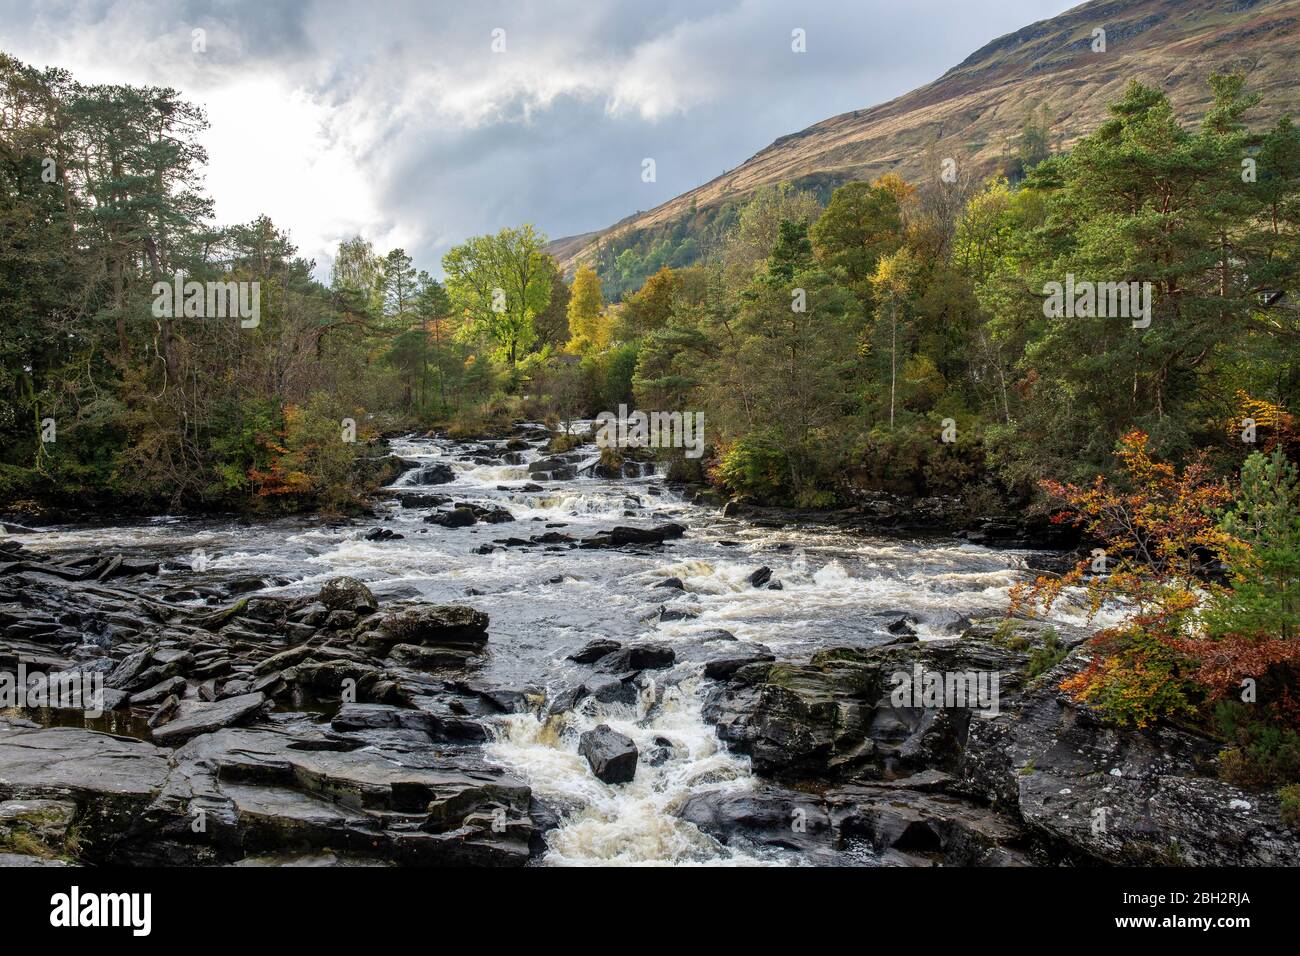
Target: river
(835,588)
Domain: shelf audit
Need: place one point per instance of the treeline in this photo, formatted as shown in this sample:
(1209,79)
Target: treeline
(893,338)
(109,400)
(897,339)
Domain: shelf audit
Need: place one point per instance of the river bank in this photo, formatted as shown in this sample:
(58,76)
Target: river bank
(466,675)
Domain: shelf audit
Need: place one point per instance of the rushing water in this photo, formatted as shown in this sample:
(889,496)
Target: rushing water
(545,604)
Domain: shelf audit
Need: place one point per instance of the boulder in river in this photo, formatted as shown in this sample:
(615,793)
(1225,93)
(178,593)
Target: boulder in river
(612,756)
(462,516)
(593,651)
(435,624)
(422,499)
(649,655)
(622,535)
(347,594)
(439,473)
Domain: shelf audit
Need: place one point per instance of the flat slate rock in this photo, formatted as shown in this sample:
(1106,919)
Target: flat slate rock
(195,717)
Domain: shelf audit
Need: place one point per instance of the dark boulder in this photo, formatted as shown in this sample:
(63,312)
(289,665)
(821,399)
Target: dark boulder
(649,655)
(438,473)
(462,516)
(593,651)
(611,755)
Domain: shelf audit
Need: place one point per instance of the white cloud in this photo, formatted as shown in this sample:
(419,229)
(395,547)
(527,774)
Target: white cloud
(397,121)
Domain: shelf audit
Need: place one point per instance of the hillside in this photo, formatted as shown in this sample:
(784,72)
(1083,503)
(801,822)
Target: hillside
(975,111)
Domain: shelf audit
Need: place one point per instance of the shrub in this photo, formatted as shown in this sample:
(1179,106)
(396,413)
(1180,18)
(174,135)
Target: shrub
(1291,805)
(1046,655)
(753,466)
(1262,754)
(1158,533)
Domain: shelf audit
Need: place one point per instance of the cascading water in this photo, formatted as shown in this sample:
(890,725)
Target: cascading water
(546,602)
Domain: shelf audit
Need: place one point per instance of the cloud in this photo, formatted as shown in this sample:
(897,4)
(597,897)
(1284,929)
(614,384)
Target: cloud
(399,121)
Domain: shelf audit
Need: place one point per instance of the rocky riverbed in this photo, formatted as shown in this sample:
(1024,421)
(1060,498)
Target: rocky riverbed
(529,658)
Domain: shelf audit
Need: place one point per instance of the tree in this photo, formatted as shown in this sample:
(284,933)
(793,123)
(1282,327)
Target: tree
(1253,628)
(755,233)
(552,323)
(1157,535)
(785,375)
(588,327)
(861,224)
(892,284)
(651,307)
(358,275)
(499,284)
(398,280)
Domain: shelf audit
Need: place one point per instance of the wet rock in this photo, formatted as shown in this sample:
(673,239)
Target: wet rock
(266,791)
(674,583)
(340,620)
(760,576)
(435,624)
(836,714)
(352,717)
(721,668)
(439,473)
(648,655)
(347,594)
(495,515)
(278,662)
(245,585)
(313,614)
(412,499)
(126,673)
(678,613)
(458,517)
(767,816)
(110,779)
(1093,792)
(932,826)
(608,690)
(383,534)
(595,650)
(165,712)
(435,657)
(622,535)
(902,624)
(611,755)
(330,678)
(200,717)
(158,692)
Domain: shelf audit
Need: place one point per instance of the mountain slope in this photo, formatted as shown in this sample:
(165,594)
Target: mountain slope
(974,111)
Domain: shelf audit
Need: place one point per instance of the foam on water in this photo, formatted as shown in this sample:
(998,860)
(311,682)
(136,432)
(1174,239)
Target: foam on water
(634,823)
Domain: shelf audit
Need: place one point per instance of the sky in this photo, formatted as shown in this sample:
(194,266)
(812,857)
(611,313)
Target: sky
(419,124)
